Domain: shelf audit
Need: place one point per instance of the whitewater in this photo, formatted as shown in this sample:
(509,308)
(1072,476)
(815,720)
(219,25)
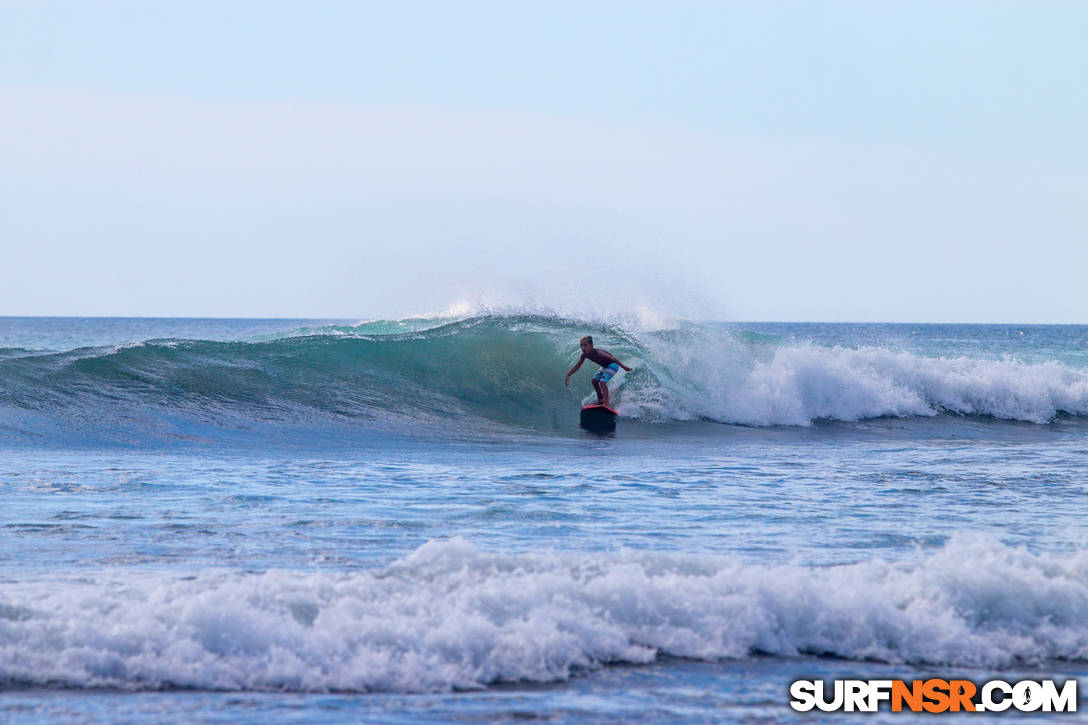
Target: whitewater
(401,521)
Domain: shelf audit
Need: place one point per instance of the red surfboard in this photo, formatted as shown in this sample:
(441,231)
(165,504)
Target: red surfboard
(598,418)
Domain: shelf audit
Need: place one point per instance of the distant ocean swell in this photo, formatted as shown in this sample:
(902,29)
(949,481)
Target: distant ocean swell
(502,371)
(450,616)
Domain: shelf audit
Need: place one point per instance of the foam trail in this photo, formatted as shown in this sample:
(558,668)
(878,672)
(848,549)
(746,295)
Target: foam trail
(452,616)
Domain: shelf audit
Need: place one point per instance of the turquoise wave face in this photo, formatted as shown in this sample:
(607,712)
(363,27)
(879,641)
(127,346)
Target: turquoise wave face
(467,374)
(501,373)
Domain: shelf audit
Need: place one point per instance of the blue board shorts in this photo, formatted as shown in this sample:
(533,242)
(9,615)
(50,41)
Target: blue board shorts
(607,372)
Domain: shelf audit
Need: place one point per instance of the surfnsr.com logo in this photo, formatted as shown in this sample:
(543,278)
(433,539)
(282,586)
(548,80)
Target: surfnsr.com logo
(934,695)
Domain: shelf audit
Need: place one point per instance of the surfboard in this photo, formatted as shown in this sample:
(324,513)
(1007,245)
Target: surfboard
(598,418)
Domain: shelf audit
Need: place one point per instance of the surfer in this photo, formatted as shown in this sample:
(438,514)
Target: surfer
(609,367)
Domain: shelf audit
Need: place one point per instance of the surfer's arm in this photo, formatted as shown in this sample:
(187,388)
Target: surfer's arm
(616,360)
(574,369)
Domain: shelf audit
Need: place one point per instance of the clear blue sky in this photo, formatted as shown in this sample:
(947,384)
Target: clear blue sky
(788,161)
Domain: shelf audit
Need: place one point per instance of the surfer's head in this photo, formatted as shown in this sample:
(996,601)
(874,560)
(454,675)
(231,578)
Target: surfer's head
(586,343)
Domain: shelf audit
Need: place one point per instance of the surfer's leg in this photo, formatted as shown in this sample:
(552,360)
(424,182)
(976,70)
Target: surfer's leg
(604,389)
(597,385)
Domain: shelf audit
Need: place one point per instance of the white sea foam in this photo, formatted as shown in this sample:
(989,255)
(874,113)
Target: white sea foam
(715,376)
(452,616)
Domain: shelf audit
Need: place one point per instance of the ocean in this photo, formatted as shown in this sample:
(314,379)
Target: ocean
(400,521)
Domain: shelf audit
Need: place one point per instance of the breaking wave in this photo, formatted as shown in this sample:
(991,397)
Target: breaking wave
(495,372)
(450,616)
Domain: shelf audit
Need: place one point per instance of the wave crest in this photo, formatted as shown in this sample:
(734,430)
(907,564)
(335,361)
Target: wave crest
(495,372)
(450,616)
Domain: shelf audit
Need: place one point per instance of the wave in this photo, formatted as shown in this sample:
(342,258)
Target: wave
(493,372)
(801,384)
(450,616)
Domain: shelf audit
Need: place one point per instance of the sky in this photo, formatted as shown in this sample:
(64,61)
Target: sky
(796,161)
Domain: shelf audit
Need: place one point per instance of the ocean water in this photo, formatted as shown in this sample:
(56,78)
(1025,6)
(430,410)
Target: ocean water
(400,521)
